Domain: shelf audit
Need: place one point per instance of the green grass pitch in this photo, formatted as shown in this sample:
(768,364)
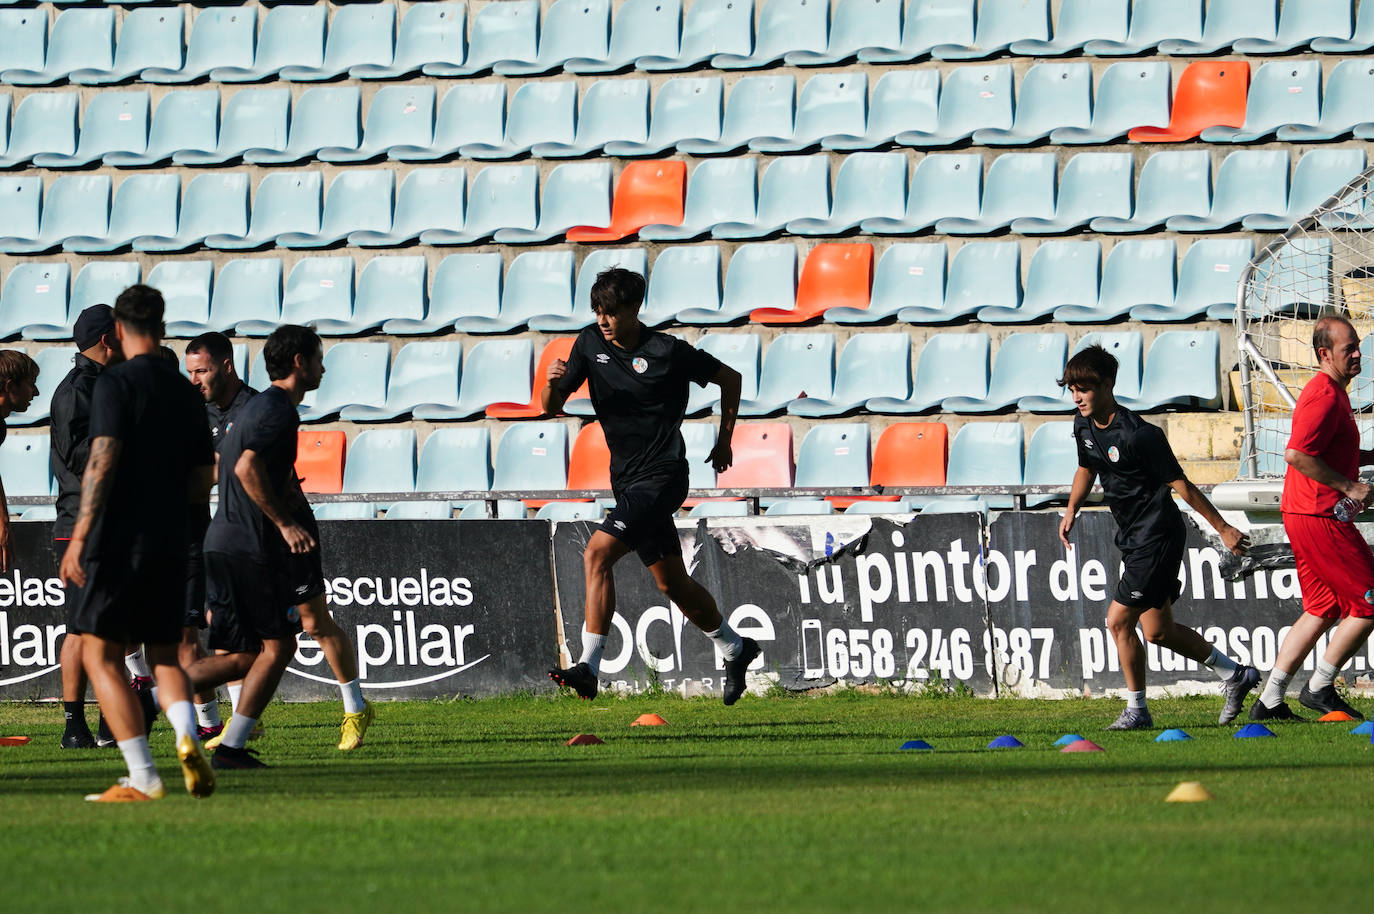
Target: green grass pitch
(792,804)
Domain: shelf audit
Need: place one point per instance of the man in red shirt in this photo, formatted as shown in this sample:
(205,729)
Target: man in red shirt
(1334,563)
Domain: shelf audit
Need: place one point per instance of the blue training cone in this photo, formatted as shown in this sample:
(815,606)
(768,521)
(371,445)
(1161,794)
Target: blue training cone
(1006,741)
(916,744)
(1252,730)
(1172,736)
(1365,729)
(1067,738)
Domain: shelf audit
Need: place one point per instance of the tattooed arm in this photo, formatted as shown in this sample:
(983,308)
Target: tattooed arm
(95,491)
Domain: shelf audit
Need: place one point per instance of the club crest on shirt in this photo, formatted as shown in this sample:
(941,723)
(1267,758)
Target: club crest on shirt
(602,358)
(1113,454)
(640,365)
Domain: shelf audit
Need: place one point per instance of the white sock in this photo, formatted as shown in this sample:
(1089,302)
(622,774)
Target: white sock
(352,697)
(1272,696)
(237,730)
(235,691)
(1222,665)
(1323,677)
(1136,700)
(139,758)
(135,663)
(182,716)
(727,642)
(207,715)
(592,648)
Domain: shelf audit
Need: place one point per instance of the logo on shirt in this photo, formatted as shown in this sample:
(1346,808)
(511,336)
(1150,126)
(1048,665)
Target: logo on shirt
(620,525)
(1088,443)
(1113,454)
(640,365)
(602,358)
(1369,596)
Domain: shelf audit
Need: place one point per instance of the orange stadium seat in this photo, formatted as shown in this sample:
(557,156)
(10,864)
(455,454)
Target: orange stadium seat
(589,466)
(1210,94)
(647,193)
(910,454)
(763,457)
(557,349)
(834,276)
(320,460)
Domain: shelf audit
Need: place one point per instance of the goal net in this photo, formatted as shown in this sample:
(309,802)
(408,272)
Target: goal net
(1324,264)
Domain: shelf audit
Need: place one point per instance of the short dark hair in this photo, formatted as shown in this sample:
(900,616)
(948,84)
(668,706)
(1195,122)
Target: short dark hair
(286,342)
(1089,367)
(617,290)
(141,308)
(1321,332)
(214,344)
(16,365)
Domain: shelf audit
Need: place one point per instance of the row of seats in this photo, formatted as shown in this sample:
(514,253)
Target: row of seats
(914,283)
(726,198)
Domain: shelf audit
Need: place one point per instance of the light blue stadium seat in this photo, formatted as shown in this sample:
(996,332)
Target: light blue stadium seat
(81,39)
(798,507)
(684,109)
(683,277)
(972,98)
(1301,24)
(185,287)
(1027,365)
(361,34)
(429,199)
(1137,272)
(1347,104)
(1132,94)
(1207,280)
(23,40)
(44,122)
(1361,39)
(1319,174)
(642,28)
(1060,273)
(355,373)
(53,364)
(430,33)
(791,188)
(1172,183)
(148,38)
(580,313)
(1180,370)
(907,276)
(942,186)
(285,202)
(928,23)
(757,106)
(612,109)
(213,204)
(1079,22)
(870,185)
(469,113)
(902,100)
(830,103)
(855,26)
(220,37)
(575,194)
(740,351)
(502,197)
(398,116)
(24,465)
(571,29)
(500,32)
(464,284)
(1000,24)
(535,283)
(360,200)
(539,113)
(1094,185)
(1282,92)
(252,119)
(74,205)
(872,365)
(21,202)
(185,119)
(758,276)
(720,191)
(1249,182)
(982,454)
(98,282)
(1051,96)
(291,36)
(1125,346)
(380,460)
(324,117)
(1152,21)
(566,511)
(318,289)
(1019,186)
(246,291)
(699,439)
(424,374)
(900,506)
(1051,460)
(34,294)
(532,456)
(143,205)
(983,273)
(795,365)
(114,122)
(710,28)
(721,509)
(389,288)
(494,371)
(455,460)
(39,513)
(506,508)
(833,454)
(784,26)
(347,510)
(1226,22)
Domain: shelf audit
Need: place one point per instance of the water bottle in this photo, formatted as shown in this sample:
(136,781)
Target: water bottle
(1347,509)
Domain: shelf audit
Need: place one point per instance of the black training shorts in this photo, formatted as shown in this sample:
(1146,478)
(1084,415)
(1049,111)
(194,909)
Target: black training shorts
(249,601)
(304,576)
(72,593)
(643,518)
(1150,578)
(132,599)
(194,610)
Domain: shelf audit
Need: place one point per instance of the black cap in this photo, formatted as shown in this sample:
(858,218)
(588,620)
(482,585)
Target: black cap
(94,323)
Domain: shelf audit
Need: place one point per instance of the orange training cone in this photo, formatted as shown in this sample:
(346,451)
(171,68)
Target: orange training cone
(585,739)
(13,740)
(648,720)
(1188,792)
(1335,717)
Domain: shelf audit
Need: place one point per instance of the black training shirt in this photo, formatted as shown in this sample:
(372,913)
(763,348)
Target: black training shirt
(69,435)
(1135,463)
(640,397)
(221,420)
(266,425)
(158,417)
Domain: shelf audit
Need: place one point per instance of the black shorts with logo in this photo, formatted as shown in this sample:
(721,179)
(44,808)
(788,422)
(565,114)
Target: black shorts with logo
(139,598)
(249,600)
(643,518)
(304,575)
(1150,578)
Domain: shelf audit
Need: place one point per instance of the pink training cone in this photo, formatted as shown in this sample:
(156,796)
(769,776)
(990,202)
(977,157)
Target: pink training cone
(1082,745)
(648,720)
(585,739)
